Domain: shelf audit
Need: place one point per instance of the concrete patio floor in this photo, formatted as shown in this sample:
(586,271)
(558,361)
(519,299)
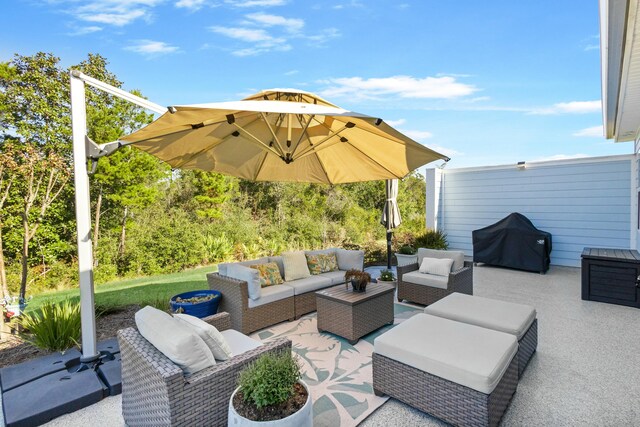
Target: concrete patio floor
(585,371)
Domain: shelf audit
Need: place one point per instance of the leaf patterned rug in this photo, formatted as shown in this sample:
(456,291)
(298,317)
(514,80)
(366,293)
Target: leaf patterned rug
(338,373)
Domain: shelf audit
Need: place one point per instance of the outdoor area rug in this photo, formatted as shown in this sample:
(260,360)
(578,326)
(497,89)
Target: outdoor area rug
(337,373)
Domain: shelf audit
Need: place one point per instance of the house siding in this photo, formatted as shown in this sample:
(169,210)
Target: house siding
(581,203)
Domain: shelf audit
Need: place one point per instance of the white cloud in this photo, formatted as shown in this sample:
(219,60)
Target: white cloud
(417,135)
(113,12)
(291,72)
(191,4)
(324,36)
(151,48)
(591,132)
(292,25)
(256,3)
(403,86)
(352,3)
(394,123)
(85,30)
(243,34)
(591,47)
(573,107)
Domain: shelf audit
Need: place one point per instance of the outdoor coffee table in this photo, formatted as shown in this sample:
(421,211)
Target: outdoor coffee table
(353,315)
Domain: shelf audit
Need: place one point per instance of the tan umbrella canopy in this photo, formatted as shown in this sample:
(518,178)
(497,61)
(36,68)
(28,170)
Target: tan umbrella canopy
(281,135)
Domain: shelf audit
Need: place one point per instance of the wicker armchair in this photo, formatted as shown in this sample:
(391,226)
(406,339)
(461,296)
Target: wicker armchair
(155,392)
(235,300)
(460,280)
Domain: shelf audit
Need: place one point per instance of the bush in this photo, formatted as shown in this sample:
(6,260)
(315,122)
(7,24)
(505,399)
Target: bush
(407,250)
(387,276)
(54,327)
(432,239)
(270,379)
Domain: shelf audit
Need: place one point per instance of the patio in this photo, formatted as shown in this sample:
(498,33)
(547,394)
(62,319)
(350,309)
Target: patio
(583,372)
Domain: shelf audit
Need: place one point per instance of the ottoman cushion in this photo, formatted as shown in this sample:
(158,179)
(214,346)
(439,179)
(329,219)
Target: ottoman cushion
(465,354)
(498,315)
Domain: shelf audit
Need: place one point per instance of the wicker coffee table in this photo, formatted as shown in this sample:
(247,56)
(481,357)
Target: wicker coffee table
(353,315)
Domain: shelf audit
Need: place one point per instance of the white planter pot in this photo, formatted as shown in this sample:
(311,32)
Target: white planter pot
(406,259)
(302,418)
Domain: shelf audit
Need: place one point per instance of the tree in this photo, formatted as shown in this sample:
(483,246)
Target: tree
(108,118)
(210,192)
(34,100)
(42,179)
(7,177)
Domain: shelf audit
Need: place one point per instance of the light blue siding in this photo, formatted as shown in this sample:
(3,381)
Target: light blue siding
(581,204)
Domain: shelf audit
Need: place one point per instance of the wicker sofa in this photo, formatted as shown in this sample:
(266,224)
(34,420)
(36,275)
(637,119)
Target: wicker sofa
(279,302)
(155,392)
(426,288)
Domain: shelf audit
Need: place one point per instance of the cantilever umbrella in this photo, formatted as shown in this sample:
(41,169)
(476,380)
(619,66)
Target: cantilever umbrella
(274,135)
(281,135)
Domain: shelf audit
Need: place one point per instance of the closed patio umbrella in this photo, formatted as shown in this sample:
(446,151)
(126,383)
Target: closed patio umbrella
(390,214)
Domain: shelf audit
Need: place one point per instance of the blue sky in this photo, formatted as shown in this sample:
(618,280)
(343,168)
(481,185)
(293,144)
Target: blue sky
(485,82)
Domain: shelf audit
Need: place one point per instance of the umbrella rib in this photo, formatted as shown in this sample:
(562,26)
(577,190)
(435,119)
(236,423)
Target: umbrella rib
(260,143)
(264,117)
(315,147)
(303,133)
(259,168)
(324,169)
(375,161)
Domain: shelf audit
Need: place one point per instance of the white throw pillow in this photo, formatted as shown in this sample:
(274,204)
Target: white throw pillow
(174,339)
(438,267)
(249,275)
(295,265)
(211,336)
(350,260)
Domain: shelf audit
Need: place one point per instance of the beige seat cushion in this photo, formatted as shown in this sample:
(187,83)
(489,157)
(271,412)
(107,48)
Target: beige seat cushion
(271,294)
(498,315)
(426,279)
(295,265)
(174,339)
(310,284)
(239,342)
(465,354)
(456,256)
(337,277)
(211,336)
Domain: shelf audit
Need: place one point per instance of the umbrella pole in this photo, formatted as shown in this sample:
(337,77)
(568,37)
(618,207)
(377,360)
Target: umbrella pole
(83,222)
(389,233)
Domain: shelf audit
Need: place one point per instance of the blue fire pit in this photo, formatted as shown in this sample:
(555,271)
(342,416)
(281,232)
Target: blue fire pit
(199,309)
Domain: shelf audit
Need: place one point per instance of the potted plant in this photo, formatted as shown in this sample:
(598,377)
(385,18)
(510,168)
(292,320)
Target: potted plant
(270,393)
(406,255)
(196,303)
(387,276)
(359,280)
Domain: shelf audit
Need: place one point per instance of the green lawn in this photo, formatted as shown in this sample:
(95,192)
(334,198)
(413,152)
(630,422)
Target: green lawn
(143,290)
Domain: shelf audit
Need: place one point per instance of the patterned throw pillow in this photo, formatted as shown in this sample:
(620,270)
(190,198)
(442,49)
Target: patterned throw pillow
(269,274)
(322,263)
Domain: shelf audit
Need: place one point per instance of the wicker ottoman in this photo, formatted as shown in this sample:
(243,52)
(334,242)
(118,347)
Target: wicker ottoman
(515,319)
(460,373)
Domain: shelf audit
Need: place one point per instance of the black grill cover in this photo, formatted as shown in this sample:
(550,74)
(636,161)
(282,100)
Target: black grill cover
(513,242)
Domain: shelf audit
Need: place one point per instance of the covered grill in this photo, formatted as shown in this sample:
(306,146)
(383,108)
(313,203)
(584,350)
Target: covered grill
(513,242)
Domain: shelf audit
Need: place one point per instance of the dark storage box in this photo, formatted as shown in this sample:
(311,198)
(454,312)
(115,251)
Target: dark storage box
(611,275)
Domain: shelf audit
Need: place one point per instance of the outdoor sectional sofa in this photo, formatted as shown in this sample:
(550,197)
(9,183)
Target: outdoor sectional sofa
(276,303)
